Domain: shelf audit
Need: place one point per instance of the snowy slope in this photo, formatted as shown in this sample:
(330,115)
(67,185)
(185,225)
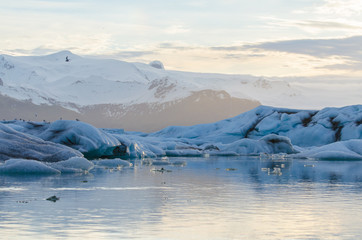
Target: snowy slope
(85,81)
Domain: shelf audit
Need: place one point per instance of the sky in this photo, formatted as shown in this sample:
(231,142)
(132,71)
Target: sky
(279,38)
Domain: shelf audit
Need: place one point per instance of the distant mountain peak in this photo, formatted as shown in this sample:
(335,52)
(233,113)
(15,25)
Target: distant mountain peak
(62,55)
(157,64)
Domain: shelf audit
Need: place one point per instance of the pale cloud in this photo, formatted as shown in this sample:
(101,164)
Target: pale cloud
(267,59)
(33,5)
(134,55)
(350,47)
(199,3)
(353,66)
(316,26)
(227,48)
(345,8)
(84,44)
(339,55)
(175,46)
(176,29)
(290,37)
(329,24)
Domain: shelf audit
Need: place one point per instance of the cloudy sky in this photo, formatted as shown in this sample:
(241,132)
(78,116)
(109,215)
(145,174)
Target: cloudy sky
(265,37)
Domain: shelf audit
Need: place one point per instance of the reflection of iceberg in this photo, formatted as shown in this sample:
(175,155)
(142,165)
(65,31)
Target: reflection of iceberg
(331,133)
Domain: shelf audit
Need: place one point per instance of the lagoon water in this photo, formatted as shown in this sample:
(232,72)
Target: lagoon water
(208,198)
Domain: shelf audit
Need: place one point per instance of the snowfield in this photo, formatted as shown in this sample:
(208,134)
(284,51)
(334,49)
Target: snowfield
(49,79)
(65,146)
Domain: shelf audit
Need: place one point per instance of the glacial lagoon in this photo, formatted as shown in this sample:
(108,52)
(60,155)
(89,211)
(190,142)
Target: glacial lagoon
(188,198)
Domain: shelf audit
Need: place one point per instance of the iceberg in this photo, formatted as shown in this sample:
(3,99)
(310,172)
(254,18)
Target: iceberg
(305,128)
(16,144)
(265,130)
(331,133)
(83,137)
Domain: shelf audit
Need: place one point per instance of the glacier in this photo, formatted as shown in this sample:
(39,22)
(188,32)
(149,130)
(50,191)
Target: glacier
(68,146)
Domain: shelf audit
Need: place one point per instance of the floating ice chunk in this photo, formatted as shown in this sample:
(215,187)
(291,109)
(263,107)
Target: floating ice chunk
(113,163)
(74,164)
(26,166)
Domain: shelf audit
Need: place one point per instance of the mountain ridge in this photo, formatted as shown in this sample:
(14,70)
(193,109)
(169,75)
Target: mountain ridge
(134,96)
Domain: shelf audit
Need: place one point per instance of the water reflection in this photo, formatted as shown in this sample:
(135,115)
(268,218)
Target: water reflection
(209,198)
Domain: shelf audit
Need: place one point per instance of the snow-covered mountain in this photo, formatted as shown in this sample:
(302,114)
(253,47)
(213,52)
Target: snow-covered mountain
(134,96)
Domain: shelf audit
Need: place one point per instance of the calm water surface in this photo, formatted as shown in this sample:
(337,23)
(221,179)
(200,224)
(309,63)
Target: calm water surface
(209,198)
